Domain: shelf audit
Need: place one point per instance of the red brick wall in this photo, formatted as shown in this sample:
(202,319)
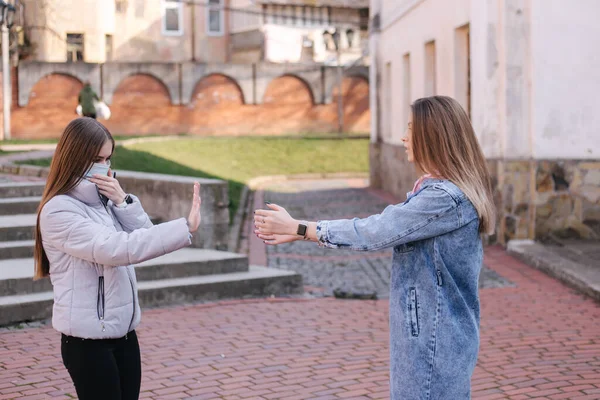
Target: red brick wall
(51,107)
(141,105)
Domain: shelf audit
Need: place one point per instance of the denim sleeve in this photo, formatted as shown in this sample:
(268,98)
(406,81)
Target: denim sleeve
(431,212)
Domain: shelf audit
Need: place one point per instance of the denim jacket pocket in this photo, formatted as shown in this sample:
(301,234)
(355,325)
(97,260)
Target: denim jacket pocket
(404,248)
(413,311)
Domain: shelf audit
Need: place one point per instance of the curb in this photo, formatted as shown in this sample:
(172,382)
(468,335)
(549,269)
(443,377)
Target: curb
(583,278)
(261,181)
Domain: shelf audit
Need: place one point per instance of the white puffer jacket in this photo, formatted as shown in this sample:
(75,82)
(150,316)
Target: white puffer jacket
(91,247)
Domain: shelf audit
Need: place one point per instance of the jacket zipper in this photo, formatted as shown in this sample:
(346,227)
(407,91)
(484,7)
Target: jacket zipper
(133,301)
(128,275)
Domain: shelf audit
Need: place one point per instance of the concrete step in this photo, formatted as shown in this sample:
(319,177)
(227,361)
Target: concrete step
(16,249)
(256,282)
(21,189)
(17,227)
(19,205)
(16,275)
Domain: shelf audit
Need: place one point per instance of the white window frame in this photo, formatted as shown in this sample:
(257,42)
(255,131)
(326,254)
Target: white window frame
(220,9)
(166,4)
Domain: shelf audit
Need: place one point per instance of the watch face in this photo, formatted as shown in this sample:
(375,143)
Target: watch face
(128,199)
(302,229)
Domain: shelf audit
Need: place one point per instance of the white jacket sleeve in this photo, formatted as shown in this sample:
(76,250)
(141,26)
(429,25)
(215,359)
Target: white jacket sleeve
(70,230)
(132,216)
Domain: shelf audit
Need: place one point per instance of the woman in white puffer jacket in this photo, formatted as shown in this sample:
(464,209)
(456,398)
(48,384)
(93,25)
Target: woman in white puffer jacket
(89,233)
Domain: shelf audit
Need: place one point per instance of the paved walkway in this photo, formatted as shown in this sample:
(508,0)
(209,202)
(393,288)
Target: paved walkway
(539,340)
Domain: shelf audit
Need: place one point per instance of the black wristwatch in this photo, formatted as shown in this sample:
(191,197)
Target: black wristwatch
(128,199)
(302,229)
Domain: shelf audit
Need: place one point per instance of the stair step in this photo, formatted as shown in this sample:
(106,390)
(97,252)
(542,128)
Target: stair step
(16,249)
(256,282)
(21,189)
(19,205)
(16,275)
(17,227)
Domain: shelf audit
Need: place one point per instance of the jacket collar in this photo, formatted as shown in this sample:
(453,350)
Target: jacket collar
(422,183)
(86,192)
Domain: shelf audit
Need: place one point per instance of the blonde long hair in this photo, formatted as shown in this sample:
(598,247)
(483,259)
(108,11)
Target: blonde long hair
(444,143)
(79,144)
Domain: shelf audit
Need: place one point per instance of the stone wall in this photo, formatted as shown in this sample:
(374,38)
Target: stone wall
(534,199)
(538,199)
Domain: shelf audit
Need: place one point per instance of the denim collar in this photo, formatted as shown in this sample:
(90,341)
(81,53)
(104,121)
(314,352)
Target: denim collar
(426,183)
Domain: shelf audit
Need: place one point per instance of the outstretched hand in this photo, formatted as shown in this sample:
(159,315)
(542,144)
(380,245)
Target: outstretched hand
(195,218)
(275,226)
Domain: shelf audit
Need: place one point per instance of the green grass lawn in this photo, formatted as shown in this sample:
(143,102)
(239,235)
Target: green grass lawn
(237,160)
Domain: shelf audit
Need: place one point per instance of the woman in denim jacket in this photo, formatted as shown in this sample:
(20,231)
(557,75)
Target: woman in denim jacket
(436,236)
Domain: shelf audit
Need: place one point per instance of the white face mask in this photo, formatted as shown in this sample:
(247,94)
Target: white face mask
(98,168)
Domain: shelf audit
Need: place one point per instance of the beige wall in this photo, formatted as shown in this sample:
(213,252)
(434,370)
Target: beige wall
(52,20)
(407,26)
(137,31)
(533,71)
(534,78)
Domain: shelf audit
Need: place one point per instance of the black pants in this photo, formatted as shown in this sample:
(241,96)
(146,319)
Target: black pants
(104,369)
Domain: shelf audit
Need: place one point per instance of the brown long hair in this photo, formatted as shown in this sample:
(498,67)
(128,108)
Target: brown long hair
(444,143)
(79,144)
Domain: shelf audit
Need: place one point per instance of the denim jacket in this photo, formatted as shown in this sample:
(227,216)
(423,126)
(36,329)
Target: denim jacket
(434,300)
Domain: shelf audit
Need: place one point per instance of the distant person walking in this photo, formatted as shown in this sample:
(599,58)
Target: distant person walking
(87,98)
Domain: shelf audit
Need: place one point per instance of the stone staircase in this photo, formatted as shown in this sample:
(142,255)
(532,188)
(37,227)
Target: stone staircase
(188,275)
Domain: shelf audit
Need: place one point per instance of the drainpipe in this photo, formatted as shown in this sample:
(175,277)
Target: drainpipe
(374,77)
(193,5)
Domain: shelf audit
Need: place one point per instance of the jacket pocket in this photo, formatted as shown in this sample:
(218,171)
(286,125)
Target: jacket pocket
(404,248)
(413,311)
(100,302)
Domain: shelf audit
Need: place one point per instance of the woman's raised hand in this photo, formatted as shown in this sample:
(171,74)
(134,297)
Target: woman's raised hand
(195,217)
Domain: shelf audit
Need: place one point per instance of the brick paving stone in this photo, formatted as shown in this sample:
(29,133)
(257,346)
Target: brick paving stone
(539,339)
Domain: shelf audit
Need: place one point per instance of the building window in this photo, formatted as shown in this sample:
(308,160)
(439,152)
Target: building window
(215,18)
(121,6)
(406,83)
(430,69)
(273,14)
(140,8)
(387,101)
(298,18)
(462,69)
(363,15)
(350,36)
(172,18)
(109,47)
(284,16)
(293,15)
(74,47)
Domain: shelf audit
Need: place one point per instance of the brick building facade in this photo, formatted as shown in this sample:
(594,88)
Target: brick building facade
(198,99)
